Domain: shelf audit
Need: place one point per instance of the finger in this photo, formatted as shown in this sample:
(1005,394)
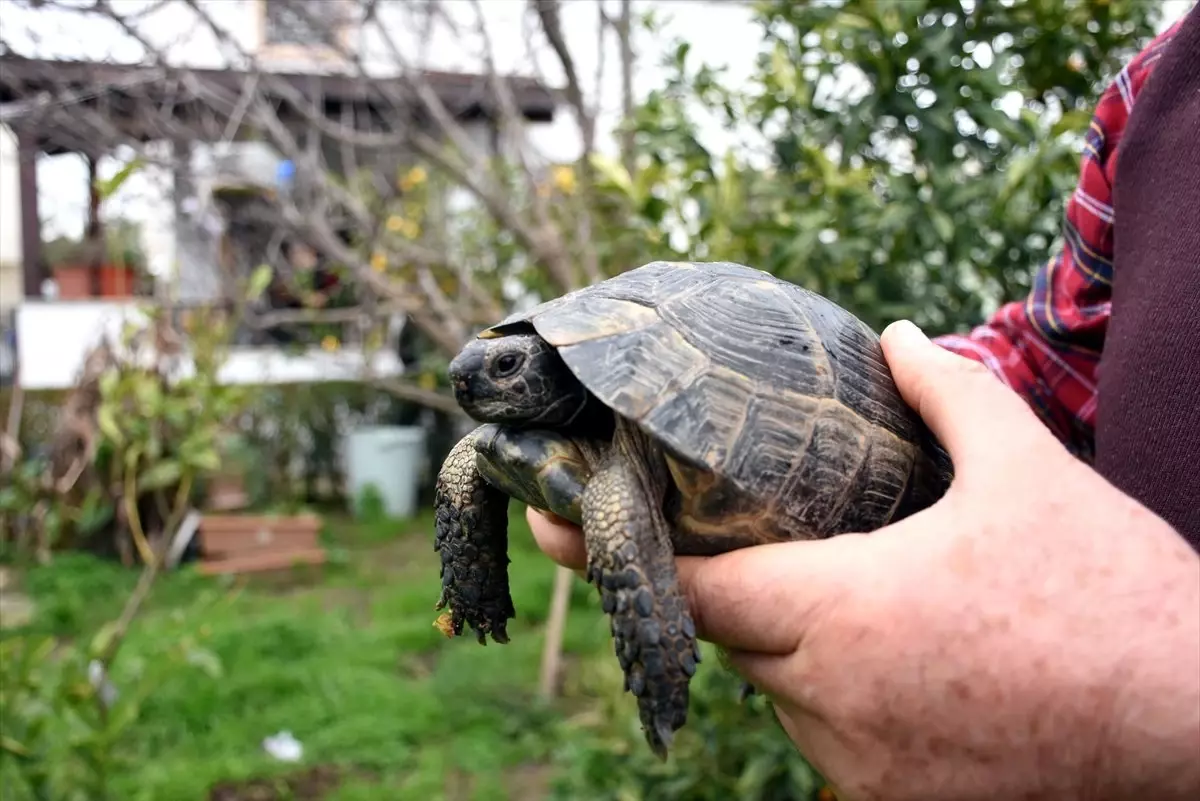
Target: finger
(558,539)
(763,599)
(971,411)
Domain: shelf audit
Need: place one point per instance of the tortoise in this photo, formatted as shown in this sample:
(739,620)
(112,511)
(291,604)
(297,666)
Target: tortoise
(677,408)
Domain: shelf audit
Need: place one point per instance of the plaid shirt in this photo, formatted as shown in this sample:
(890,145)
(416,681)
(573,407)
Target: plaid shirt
(1047,347)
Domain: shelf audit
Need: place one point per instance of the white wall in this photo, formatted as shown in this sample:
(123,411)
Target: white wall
(11,286)
(10,199)
(53,339)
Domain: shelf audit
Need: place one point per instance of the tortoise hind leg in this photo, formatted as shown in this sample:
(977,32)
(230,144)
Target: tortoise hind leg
(471,534)
(631,562)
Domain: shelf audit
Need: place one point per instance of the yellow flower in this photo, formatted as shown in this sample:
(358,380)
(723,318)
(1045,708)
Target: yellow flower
(413,178)
(330,343)
(399,225)
(564,179)
(378,262)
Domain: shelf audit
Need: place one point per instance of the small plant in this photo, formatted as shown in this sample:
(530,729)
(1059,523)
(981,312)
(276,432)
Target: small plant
(729,750)
(369,506)
(35,517)
(160,431)
(64,717)
(119,245)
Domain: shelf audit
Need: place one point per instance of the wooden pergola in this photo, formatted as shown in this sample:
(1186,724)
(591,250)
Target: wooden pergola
(58,107)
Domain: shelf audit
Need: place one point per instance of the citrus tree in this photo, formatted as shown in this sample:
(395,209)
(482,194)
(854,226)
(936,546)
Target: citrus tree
(907,158)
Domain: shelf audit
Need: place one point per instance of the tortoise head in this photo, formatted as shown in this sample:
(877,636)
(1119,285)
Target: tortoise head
(515,379)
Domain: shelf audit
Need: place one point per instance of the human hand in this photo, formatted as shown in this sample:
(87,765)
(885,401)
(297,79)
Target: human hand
(1035,634)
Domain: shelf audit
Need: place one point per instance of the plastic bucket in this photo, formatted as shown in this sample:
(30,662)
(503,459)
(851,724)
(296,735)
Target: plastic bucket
(389,457)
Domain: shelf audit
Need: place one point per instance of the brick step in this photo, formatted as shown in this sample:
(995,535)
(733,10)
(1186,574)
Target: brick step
(262,561)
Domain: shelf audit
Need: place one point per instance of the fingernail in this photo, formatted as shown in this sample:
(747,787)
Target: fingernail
(906,330)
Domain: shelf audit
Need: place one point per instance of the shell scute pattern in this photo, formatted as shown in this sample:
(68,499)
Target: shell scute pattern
(781,395)
(753,330)
(638,371)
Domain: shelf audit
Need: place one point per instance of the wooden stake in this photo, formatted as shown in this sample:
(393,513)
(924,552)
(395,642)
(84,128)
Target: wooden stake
(556,625)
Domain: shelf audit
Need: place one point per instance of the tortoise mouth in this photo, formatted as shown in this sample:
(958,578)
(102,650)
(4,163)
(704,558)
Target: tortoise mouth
(463,374)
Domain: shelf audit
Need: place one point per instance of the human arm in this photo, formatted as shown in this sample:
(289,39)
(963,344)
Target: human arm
(1035,649)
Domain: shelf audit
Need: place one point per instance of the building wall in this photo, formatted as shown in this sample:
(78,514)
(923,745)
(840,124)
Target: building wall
(54,339)
(11,285)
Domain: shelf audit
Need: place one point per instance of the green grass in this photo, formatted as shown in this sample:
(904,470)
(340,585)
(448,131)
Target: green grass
(347,660)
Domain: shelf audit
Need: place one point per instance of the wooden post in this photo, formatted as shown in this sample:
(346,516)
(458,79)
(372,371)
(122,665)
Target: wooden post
(31,226)
(181,190)
(93,233)
(556,626)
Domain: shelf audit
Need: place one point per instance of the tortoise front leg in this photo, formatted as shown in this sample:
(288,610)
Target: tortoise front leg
(471,535)
(544,469)
(490,465)
(631,562)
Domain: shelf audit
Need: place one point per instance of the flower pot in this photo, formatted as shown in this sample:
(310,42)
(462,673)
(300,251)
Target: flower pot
(75,281)
(233,543)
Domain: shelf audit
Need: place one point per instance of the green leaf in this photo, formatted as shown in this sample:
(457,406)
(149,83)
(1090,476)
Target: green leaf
(121,717)
(612,172)
(260,279)
(11,500)
(942,224)
(206,661)
(208,460)
(106,419)
(102,639)
(109,380)
(681,53)
(755,775)
(12,746)
(95,511)
(108,188)
(160,475)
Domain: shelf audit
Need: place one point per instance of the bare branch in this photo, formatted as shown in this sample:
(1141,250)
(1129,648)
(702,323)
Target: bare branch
(550,14)
(624,31)
(425,397)
(345,198)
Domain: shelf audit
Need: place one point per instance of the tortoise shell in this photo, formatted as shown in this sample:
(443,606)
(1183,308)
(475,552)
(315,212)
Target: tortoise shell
(774,406)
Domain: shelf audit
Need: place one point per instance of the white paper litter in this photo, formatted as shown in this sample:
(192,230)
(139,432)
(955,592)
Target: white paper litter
(284,747)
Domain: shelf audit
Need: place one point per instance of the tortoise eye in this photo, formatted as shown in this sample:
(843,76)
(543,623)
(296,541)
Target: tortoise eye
(506,365)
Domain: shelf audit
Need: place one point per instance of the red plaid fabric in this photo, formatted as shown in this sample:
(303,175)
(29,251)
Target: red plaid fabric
(1047,346)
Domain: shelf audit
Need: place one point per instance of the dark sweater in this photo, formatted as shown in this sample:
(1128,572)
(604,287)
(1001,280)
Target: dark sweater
(1148,413)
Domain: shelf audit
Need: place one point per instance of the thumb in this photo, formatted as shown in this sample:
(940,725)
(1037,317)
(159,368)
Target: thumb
(974,414)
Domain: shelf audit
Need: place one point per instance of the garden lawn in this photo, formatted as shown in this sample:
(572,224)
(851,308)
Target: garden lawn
(345,658)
